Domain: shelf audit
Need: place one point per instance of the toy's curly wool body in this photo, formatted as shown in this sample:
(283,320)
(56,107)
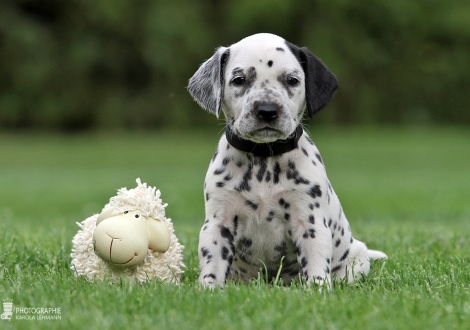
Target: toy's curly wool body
(163,266)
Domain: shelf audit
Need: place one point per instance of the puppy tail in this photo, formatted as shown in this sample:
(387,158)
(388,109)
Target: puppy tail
(377,255)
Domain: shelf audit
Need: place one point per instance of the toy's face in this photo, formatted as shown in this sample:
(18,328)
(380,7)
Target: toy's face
(123,239)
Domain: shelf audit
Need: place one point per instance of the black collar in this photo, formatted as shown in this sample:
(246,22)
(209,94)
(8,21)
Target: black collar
(264,149)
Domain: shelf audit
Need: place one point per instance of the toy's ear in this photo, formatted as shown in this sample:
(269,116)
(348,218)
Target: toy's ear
(320,83)
(159,235)
(206,86)
(106,213)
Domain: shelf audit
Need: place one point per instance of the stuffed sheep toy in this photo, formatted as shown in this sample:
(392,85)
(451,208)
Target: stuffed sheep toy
(130,238)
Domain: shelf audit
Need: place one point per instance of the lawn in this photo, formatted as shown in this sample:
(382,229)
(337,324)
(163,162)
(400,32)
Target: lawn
(405,191)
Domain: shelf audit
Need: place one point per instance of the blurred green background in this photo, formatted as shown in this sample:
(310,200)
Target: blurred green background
(114,72)
(123,64)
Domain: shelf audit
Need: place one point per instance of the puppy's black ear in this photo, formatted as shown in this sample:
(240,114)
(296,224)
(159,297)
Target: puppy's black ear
(206,86)
(320,83)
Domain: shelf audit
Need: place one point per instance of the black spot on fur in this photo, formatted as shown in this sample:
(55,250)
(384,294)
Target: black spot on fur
(235,225)
(345,255)
(276,172)
(309,140)
(293,174)
(309,233)
(270,63)
(245,184)
(215,154)
(207,197)
(336,268)
(287,216)
(311,219)
(315,191)
(283,203)
(319,158)
(205,252)
(225,232)
(228,177)
(251,204)
(246,242)
(279,49)
(220,184)
(304,151)
(338,242)
(225,253)
(262,169)
(251,74)
(297,250)
(210,276)
(282,248)
(303,262)
(268,176)
(219,171)
(270,216)
(227,270)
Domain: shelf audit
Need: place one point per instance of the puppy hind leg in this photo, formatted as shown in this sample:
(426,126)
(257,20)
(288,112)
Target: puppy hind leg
(357,262)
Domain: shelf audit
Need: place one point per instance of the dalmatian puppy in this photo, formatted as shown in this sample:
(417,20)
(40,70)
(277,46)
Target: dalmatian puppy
(270,208)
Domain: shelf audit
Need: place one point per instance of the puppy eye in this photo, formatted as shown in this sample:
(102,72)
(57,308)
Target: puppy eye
(291,81)
(239,81)
(125,212)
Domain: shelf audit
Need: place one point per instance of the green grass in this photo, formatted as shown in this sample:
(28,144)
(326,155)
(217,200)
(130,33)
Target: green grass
(404,190)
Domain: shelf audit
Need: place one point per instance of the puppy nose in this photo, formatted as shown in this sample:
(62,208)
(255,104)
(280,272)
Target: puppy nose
(267,111)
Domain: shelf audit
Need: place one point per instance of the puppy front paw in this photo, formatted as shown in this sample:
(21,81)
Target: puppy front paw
(209,281)
(323,283)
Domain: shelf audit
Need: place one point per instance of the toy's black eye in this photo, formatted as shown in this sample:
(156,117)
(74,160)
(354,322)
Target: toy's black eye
(291,81)
(239,81)
(125,212)
(137,215)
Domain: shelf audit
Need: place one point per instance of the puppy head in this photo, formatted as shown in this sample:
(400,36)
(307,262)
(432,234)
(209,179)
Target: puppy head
(263,84)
